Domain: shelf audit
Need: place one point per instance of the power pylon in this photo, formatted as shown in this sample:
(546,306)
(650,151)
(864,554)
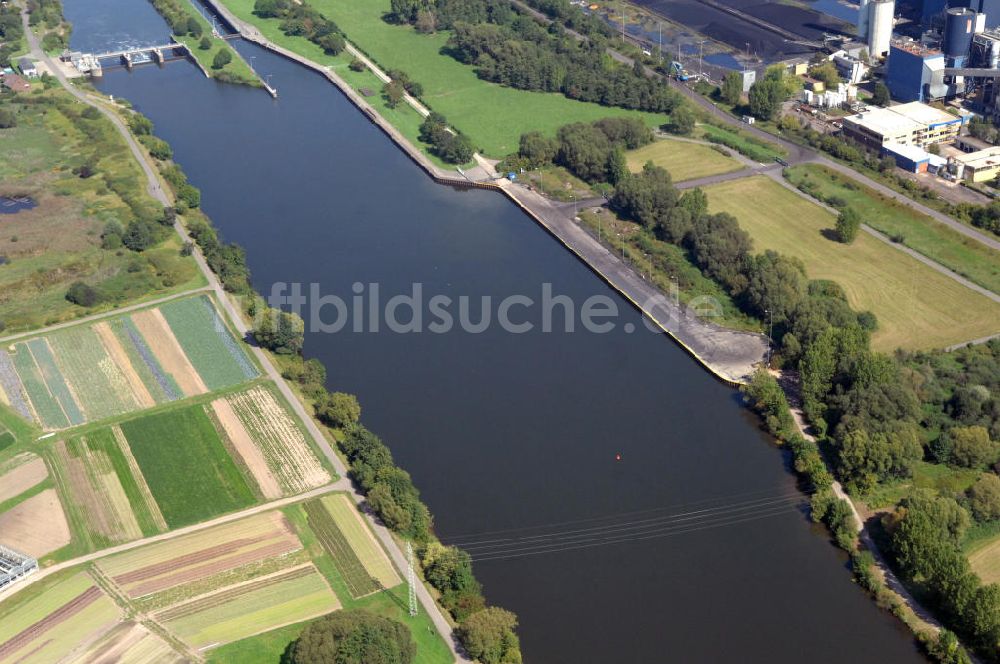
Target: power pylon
(410,580)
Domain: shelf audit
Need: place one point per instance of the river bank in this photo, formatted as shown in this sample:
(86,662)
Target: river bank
(729,355)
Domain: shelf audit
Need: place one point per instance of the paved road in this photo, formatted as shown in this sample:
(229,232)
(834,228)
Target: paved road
(157,191)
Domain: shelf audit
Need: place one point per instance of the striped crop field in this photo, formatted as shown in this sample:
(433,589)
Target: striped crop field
(359,558)
(204,556)
(119,365)
(251,607)
(107,498)
(47,625)
(270,441)
(209,345)
(128,643)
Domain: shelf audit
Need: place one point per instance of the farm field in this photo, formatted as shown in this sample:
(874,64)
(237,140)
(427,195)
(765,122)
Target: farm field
(128,643)
(58,242)
(88,373)
(20,474)
(35,526)
(682,159)
(179,465)
(494,117)
(344,535)
(47,625)
(270,441)
(224,584)
(973,260)
(255,606)
(175,570)
(917,307)
(186,465)
(106,497)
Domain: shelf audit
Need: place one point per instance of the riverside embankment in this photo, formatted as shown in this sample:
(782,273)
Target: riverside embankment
(511,431)
(729,355)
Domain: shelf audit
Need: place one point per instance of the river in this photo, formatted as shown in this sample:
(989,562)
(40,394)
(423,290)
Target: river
(513,431)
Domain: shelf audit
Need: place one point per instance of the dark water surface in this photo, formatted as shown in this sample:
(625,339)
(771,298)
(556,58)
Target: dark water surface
(14,204)
(507,431)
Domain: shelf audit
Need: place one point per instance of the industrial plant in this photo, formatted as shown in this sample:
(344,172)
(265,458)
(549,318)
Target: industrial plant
(941,67)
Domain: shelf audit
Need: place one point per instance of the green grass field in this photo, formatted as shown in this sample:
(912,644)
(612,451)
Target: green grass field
(187,467)
(492,115)
(917,307)
(959,253)
(360,539)
(207,342)
(683,160)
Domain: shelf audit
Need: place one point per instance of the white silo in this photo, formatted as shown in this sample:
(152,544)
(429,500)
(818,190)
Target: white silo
(880,22)
(863,19)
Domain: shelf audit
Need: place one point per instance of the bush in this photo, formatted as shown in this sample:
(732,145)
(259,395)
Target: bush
(139,236)
(848,223)
(222,58)
(280,331)
(7,119)
(158,148)
(338,409)
(488,636)
(984,498)
(863,565)
(82,294)
(205,43)
(357,65)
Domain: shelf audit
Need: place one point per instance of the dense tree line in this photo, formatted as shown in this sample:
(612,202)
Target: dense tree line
(178,17)
(986,217)
(49,14)
(516,50)
(574,18)
(925,533)
(302,20)
(451,146)
(352,636)
(11,32)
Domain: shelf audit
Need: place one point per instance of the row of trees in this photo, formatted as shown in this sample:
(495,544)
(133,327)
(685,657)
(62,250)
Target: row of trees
(516,50)
(302,20)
